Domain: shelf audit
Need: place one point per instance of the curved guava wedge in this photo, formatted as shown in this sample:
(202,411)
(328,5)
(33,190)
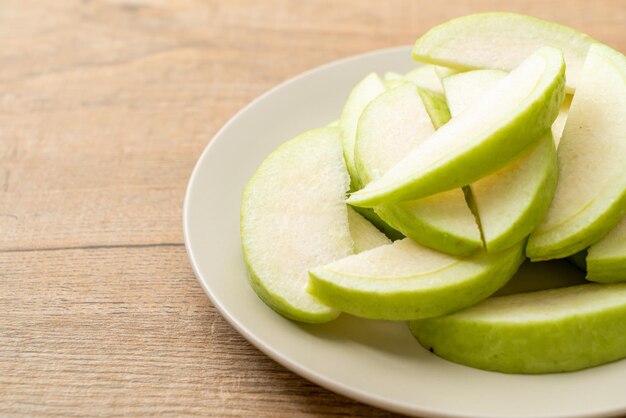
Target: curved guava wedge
(512,201)
(360,96)
(405,280)
(293,218)
(590,197)
(508,119)
(549,331)
(500,41)
(391,126)
(606,259)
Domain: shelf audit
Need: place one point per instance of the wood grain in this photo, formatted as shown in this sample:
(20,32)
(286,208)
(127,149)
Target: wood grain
(104,108)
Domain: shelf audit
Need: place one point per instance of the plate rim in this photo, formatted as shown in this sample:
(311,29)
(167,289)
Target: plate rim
(292,365)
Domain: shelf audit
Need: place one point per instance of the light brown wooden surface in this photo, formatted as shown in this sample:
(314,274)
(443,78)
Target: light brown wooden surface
(104,108)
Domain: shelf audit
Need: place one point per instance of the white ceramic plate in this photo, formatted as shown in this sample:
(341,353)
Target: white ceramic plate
(375,362)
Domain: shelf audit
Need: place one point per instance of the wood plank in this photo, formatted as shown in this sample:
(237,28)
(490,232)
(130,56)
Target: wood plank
(127,331)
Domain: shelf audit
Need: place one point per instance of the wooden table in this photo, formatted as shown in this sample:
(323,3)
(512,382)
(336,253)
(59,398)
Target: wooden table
(104,108)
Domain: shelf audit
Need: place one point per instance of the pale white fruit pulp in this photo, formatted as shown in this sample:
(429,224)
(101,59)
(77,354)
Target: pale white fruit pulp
(592,151)
(363,93)
(294,216)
